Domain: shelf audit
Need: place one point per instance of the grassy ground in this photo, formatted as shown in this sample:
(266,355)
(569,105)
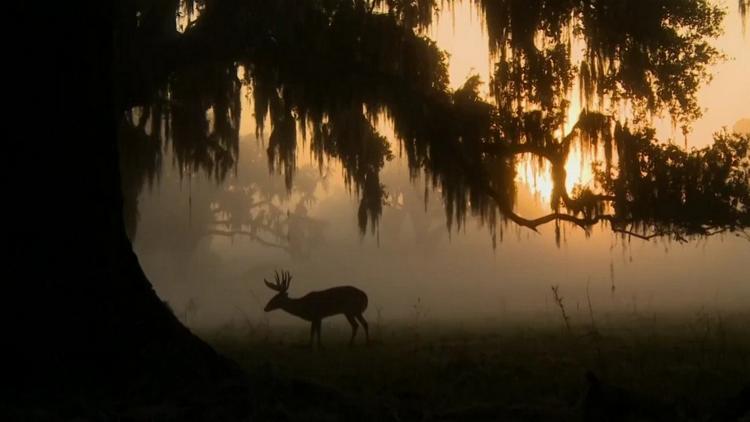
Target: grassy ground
(690,367)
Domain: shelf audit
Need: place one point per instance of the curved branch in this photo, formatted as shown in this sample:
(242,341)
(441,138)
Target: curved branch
(518,149)
(648,237)
(556,159)
(253,236)
(584,223)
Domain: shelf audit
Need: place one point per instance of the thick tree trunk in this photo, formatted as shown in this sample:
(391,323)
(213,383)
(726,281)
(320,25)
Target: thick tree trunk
(87,331)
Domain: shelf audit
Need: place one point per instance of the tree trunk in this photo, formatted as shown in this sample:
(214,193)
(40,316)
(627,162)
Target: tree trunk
(87,331)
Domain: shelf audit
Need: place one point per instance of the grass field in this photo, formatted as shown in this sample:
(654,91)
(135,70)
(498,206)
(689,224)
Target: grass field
(657,367)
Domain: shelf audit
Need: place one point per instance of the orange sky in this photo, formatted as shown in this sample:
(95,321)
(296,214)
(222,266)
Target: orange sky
(725,100)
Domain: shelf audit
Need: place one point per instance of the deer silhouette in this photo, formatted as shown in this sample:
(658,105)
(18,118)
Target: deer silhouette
(315,306)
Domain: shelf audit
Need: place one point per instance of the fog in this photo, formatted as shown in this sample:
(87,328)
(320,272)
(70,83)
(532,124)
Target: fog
(412,265)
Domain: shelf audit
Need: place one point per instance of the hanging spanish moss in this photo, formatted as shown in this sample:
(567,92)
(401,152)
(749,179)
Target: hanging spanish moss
(366,60)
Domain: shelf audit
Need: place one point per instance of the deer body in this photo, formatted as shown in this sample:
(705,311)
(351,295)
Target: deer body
(314,306)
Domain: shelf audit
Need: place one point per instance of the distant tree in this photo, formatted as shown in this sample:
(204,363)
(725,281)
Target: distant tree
(742,126)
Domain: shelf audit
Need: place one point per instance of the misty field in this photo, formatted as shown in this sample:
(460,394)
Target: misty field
(687,367)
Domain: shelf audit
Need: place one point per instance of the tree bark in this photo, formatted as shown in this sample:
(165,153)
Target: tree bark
(86,331)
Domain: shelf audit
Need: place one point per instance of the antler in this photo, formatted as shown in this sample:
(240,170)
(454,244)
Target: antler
(281,281)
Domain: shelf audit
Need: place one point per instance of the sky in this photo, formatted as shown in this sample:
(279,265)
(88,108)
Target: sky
(725,100)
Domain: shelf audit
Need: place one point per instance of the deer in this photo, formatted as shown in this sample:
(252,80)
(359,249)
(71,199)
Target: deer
(315,306)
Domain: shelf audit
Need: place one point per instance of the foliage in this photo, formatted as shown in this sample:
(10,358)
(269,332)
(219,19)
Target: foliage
(365,60)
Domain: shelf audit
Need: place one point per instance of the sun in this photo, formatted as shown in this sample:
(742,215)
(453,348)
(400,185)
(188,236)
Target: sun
(538,178)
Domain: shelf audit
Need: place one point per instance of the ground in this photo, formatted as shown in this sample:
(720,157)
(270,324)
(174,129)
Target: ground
(686,367)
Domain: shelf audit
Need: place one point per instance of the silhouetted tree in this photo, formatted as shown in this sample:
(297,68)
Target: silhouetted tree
(334,66)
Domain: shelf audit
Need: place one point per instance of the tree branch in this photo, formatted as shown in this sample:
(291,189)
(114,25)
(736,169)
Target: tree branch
(253,236)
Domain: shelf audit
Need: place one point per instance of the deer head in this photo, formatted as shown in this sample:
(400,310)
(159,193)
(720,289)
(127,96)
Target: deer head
(281,285)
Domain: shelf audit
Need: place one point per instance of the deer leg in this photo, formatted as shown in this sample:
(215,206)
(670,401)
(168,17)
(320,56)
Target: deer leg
(362,321)
(353,323)
(316,327)
(312,333)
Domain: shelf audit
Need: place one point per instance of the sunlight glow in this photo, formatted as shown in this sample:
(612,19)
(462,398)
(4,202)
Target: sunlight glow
(538,178)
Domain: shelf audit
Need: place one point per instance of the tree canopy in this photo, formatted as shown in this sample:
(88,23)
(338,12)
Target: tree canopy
(327,70)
